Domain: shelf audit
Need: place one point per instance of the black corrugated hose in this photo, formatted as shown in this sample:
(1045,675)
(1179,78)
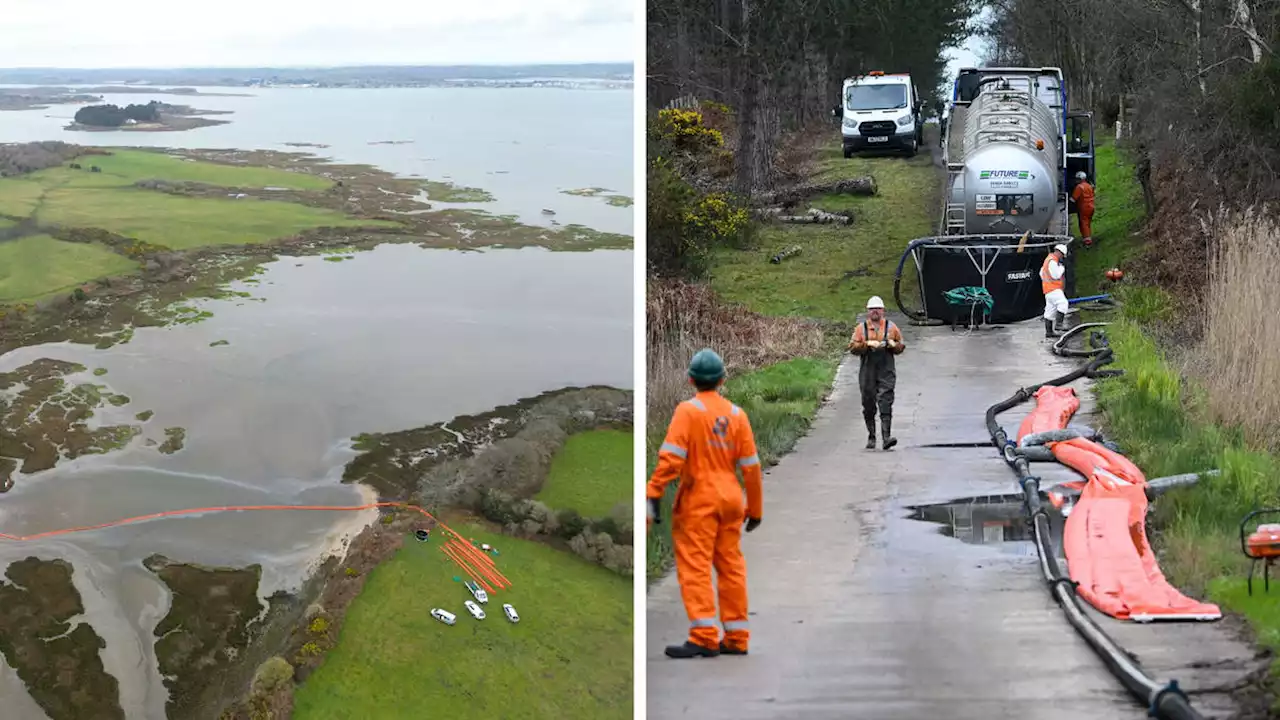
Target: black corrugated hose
(1163,701)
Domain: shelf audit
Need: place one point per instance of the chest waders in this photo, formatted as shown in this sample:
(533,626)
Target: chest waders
(876,379)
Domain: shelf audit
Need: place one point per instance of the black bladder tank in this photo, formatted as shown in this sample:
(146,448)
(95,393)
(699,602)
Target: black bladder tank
(1012,278)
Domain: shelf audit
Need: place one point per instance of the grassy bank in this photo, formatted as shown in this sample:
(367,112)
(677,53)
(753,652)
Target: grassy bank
(1115,221)
(592,473)
(838,267)
(781,327)
(1168,421)
(569,656)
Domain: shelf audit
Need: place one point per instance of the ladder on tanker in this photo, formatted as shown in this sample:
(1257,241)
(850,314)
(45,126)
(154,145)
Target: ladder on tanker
(953,212)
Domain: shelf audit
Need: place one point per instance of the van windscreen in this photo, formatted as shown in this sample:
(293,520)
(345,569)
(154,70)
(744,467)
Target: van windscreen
(875,97)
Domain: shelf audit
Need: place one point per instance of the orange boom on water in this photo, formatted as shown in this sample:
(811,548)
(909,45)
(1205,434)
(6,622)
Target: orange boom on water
(459,557)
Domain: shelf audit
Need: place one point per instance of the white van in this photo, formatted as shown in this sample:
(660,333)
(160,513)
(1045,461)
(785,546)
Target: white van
(880,112)
(511,612)
(475,610)
(478,592)
(444,616)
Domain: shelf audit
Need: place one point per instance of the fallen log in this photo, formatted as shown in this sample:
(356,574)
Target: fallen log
(813,217)
(784,254)
(793,195)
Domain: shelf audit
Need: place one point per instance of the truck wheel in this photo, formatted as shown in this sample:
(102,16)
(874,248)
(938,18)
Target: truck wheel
(912,148)
(848,153)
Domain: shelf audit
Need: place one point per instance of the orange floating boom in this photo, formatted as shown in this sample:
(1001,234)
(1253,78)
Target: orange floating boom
(1108,554)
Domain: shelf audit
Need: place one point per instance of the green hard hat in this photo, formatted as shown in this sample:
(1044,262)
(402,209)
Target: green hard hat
(706,366)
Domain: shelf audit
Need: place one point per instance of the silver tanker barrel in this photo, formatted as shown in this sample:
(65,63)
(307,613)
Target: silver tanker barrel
(1006,266)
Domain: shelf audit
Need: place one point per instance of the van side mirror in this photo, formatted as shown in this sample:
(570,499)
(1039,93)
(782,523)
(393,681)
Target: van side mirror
(835,112)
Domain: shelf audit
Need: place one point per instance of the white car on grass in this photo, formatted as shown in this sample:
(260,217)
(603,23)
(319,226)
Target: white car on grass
(444,616)
(475,610)
(511,612)
(481,596)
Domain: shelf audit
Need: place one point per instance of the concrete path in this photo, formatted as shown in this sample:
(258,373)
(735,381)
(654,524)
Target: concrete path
(859,612)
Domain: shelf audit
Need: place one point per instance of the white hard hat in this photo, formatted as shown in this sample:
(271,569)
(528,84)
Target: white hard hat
(875,302)
(1081,175)
(1061,248)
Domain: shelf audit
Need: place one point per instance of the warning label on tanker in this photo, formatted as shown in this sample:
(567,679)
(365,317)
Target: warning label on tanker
(1010,204)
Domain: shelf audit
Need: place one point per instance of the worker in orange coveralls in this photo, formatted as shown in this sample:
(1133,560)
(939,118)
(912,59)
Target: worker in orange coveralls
(1082,195)
(708,440)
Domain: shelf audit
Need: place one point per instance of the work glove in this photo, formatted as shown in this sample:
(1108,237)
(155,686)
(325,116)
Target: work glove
(655,511)
(892,343)
(753,523)
(875,344)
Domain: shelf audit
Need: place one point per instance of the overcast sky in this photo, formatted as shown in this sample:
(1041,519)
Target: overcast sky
(242,33)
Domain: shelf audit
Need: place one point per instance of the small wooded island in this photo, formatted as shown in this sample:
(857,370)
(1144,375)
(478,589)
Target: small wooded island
(154,116)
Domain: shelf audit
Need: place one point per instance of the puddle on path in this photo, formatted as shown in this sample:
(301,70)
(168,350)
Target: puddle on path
(989,520)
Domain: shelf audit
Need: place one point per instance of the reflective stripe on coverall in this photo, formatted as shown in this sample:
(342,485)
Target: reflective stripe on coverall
(1083,197)
(877,374)
(1055,297)
(708,440)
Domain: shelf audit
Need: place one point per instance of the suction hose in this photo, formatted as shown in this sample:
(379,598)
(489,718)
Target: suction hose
(1166,701)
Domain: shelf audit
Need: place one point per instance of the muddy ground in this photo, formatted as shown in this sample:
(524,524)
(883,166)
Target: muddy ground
(59,662)
(44,418)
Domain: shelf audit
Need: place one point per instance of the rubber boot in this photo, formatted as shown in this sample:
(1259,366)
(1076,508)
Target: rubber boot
(1048,329)
(726,650)
(871,431)
(1059,322)
(886,431)
(690,650)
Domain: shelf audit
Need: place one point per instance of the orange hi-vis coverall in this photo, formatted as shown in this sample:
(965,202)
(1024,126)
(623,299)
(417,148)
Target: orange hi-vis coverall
(708,440)
(1082,194)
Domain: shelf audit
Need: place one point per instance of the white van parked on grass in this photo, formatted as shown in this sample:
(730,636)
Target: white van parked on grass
(478,592)
(475,610)
(880,112)
(444,616)
(511,612)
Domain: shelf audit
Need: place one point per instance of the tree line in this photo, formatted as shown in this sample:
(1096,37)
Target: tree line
(779,64)
(1196,84)
(115,116)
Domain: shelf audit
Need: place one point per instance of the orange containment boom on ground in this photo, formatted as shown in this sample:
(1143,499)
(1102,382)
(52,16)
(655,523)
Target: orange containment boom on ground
(1105,536)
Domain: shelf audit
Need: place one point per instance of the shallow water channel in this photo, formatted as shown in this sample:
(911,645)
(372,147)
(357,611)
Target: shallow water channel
(394,338)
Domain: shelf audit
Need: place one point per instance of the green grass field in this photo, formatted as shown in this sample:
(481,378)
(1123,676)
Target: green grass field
(569,657)
(182,223)
(125,167)
(19,197)
(109,201)
(592,473)
(839,267)
(33,267)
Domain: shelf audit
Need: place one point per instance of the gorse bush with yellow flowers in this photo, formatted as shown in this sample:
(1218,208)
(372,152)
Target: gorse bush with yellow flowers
(685,129)
(690,213)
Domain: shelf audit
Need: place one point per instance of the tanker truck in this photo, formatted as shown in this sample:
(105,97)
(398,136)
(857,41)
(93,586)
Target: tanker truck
(1011,149)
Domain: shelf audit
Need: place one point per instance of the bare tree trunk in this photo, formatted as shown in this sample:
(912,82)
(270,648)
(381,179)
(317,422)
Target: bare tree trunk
(1197,20)
(1244,20)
